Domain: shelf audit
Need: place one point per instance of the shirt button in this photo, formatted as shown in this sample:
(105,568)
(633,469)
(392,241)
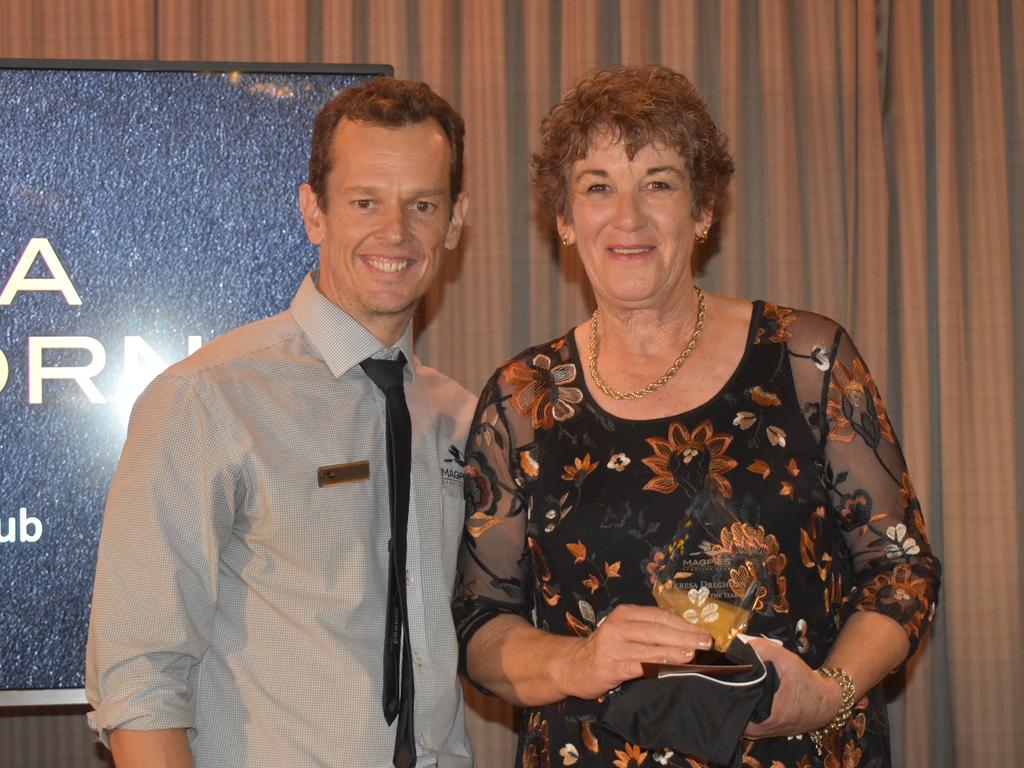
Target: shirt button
(408,579)
(418,659)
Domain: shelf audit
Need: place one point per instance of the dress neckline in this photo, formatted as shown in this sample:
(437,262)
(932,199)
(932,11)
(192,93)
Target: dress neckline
(756,315)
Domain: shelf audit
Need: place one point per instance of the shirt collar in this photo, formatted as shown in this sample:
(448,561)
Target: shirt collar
(338,338)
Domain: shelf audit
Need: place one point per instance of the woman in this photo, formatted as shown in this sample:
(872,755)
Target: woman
(591,457)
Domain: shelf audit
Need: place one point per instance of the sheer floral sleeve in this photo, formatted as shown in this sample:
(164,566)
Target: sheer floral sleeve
(495,574)
(872,502)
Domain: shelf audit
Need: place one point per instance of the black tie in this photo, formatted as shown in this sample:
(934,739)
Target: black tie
(398,680)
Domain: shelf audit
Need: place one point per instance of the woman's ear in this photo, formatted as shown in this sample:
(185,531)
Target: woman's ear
(566,231)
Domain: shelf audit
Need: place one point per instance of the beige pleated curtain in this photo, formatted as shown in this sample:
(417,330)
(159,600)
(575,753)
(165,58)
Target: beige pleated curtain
(880,181)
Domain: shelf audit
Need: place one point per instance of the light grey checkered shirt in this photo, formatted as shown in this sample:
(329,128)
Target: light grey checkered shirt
(236,598)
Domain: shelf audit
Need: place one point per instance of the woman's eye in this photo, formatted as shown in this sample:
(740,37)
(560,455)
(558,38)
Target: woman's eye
(659,185)
(597,188)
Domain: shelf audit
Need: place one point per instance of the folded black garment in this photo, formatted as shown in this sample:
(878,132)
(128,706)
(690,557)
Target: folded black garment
(693,713)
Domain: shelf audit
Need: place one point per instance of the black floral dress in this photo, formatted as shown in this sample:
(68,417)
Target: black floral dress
(572,511)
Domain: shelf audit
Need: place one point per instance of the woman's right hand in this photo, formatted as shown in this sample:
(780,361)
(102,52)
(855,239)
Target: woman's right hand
(627,637)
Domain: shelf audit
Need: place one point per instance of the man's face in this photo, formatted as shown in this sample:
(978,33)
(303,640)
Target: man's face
(387,222)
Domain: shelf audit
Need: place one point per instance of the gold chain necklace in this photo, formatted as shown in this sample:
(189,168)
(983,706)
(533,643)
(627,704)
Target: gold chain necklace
(636,394)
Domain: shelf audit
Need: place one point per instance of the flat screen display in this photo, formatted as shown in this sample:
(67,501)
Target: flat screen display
(143,211)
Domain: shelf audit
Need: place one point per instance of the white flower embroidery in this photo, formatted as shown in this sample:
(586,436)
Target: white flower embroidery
(820,357)
(618,462)
(708,610)
(776,436)
(744,419)
(662,756)
(900,546)
(802,644)
(587,612)
(569,754)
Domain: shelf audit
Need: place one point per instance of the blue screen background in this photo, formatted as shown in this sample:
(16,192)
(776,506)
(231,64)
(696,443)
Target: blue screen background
(171,200)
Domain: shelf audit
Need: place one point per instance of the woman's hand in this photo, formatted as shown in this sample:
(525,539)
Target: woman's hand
(804,700)
(628,636)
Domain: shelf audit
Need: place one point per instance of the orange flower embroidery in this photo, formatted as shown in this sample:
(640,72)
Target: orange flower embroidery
(579,628)
(760,467)
(541,573)
(479,523)
(905,596)
(860,722)
(542,394)
(536,745)
(852,755)
(763,397)
(759,549)
(632,757)
(589,740)
(782,318)
(853,391)
(528,463)
(681,448)
(655,566)
(577,550)
(579,469)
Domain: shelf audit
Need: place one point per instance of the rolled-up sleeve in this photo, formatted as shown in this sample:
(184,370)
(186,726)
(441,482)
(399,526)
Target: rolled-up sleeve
(169,513)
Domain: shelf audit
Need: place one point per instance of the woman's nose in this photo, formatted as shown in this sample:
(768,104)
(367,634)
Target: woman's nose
(629,213)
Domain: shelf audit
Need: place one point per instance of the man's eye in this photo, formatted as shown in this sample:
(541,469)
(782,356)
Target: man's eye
(364,204)
(423,206)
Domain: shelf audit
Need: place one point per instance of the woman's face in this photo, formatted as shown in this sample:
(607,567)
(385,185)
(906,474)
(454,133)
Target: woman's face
(631,223)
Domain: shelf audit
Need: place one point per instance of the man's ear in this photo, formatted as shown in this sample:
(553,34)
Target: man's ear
(312,216)
(459,209)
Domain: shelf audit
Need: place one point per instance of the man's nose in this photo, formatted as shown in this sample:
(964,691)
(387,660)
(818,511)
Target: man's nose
(393,226)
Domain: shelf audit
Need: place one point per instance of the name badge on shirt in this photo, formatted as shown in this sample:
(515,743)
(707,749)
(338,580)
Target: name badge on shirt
(336,474)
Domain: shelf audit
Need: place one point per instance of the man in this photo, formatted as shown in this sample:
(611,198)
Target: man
(243,586)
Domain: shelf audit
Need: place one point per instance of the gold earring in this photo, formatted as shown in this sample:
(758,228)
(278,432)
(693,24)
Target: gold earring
(565,241)
(703,236)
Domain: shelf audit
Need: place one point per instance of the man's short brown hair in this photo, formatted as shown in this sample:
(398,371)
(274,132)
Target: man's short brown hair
(639,106)
(388,102)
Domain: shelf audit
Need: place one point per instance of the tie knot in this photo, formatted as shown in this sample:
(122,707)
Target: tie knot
(386,374)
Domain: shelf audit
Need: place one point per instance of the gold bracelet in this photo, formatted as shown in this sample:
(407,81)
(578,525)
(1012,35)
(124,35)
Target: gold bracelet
(842,717)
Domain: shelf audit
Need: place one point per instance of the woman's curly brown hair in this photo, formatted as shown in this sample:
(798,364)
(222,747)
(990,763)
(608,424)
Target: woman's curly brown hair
(640,105)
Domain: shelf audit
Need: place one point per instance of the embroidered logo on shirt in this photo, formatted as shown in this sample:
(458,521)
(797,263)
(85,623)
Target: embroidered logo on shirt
(452,470)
